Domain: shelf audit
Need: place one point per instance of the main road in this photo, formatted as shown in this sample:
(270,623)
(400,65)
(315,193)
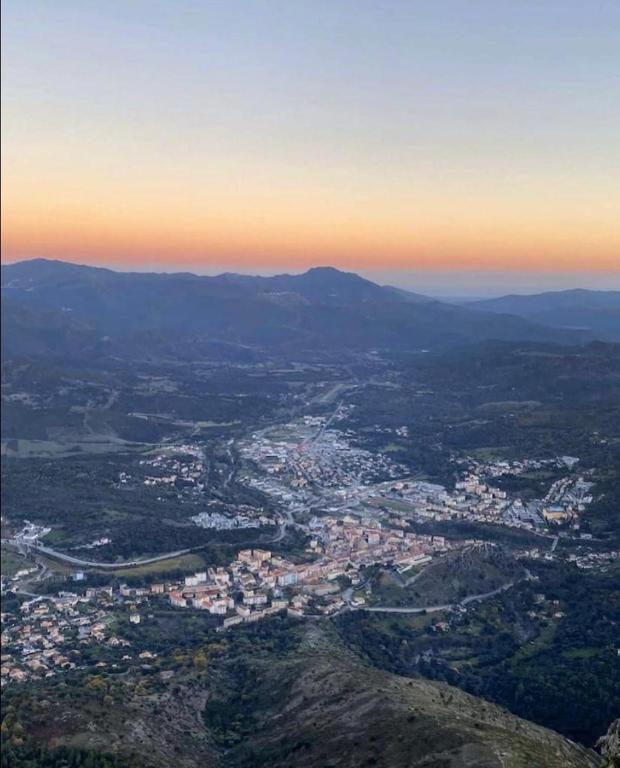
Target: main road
(430,608)
(435,608)
(36,547)
(40,548)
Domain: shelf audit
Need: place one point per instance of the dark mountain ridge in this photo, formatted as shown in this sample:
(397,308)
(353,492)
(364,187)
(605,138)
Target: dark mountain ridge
(321,309)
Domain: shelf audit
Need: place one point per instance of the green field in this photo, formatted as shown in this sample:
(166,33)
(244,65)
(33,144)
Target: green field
(12,562)
(182,562)
(542,643)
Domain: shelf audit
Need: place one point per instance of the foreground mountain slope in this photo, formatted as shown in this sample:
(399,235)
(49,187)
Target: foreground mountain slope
(281,694)
(322,705)
(610,746)
(594,311)
(322,309)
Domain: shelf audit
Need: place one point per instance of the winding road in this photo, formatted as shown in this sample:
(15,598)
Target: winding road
(95,564)
(429,608)
(436,608)
(78,561)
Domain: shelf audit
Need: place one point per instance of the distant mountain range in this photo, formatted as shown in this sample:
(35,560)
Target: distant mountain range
(597,312)
(56,308)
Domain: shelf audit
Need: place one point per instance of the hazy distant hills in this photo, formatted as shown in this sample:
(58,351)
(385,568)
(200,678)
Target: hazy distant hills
(59,308)
(597,312)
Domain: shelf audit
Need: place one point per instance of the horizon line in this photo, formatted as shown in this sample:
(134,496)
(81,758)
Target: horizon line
(399,277)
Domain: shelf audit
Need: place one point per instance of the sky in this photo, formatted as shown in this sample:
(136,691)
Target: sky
(469,146)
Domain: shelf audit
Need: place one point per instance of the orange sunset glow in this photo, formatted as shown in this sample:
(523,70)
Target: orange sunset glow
(290,152)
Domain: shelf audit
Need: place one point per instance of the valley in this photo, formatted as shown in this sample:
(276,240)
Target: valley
(443,522)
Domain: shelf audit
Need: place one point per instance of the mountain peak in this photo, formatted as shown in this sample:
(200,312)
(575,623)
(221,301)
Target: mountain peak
(326,270)
(334,274)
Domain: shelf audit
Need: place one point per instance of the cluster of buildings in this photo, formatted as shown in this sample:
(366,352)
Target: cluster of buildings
(48,635)
(178,465)
(474,498)
(544,609)
(245,517)
(493,469)
(471,499)
(351,543)
(258,583)
(595,561)
(248,590)
(30,534)
(181,467)
(44,638)
(308,461)
(566,500)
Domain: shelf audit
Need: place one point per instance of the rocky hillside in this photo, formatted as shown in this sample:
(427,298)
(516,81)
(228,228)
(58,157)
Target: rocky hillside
(282,695)
(609,745)
(320,705)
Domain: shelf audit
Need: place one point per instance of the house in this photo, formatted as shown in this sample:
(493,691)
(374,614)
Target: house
(177,599)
